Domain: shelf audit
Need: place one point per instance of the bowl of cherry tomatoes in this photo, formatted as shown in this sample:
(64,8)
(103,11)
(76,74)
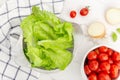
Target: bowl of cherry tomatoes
(101,63)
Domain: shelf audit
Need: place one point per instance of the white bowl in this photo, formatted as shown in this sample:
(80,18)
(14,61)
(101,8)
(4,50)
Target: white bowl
(83,75)
(21,60)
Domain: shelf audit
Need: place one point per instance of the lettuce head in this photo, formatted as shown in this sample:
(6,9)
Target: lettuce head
(47,40)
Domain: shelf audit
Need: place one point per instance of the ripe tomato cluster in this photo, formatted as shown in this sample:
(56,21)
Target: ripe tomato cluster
(102,63)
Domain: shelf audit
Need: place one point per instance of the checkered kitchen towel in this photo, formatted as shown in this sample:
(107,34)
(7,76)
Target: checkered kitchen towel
(11,14)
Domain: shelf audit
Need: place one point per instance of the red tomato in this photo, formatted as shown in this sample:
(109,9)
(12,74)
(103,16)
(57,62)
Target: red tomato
(105,66)
(103,49)
(110,61)
(103,57)
(102,64)
(118,64)
(98,70)
(92,76)
(93,65)
(103,76)
(114,71)
(116,56)
(87,69)
(109,52)
(73,14)
(97,51)
(92,55)
(84,11)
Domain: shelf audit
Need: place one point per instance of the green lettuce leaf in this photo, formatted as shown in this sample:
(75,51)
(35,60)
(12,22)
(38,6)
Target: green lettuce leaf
(47,40)
(45,16)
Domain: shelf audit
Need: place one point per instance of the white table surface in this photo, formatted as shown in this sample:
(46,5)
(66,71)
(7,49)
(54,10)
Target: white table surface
(2,1)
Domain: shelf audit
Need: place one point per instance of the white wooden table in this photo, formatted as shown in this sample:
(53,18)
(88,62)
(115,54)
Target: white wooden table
(2,1)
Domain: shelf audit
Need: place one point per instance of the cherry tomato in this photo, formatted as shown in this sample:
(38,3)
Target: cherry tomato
(93,65)
(87,69)
(110,61)
(109,52)
(97,51)
(105,66)
(73,14)
(103,49)
(114,71)
(102,63)
(118,64)
(92,76)
(84,11)
(116,56)
(103,76)
(103,57)
(92,55)
(98,70)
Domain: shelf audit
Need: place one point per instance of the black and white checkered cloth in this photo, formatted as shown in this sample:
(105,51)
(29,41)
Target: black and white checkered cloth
(11,14)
